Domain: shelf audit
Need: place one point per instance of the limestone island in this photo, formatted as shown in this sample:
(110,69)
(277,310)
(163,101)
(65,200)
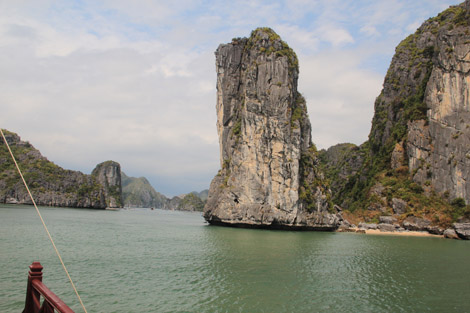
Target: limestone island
(269,176)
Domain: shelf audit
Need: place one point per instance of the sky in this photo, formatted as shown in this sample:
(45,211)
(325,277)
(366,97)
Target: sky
(134,81)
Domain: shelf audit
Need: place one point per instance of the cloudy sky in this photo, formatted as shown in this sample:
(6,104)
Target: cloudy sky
(134,81)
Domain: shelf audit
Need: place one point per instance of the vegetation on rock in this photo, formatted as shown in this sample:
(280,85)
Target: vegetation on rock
(50,184)
(365,180)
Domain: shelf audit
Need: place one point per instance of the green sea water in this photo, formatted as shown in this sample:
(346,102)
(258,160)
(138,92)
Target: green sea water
(164,261)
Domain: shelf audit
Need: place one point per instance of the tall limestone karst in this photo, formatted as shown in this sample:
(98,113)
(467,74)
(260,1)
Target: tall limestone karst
(52,185)
(269,176)
(108,175)
(417,159)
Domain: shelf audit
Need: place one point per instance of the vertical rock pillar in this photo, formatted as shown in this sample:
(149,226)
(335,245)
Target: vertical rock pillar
(269,176)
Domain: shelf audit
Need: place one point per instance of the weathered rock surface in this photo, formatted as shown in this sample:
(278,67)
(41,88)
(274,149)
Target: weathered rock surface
(462,230)
(439,146)
(435,230)
(108,174)
(387,220)
(50,184)
(386,227)
(399,206)
(450,233)
(414,223)
(367,225)
(269,173)
(419,145)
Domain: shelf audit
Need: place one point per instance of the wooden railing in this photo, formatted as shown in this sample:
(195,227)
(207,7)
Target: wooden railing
(36,289)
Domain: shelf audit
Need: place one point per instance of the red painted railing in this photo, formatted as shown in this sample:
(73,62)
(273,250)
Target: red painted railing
(36,289)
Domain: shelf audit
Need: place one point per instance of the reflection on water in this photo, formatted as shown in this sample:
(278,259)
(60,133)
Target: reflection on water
(162,261)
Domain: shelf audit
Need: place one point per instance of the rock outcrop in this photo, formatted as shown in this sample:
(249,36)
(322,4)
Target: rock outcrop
(108,174)
(424,108)
(462,230)
(439,146)
(417,159)
(269,175)
(52,185)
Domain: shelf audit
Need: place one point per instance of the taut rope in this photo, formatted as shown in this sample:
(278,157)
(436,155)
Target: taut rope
(43,223)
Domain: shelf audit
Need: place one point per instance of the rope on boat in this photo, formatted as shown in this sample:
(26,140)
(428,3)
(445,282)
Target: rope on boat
(43,223)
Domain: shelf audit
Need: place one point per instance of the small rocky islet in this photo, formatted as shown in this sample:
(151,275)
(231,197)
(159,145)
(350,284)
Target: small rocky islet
(412,174)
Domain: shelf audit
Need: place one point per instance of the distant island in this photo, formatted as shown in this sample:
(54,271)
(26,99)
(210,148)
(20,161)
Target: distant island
(52,185)
(139,193)
(105,187)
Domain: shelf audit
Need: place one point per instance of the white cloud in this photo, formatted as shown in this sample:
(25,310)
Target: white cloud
(299,39)
(335,35)
(340,96)
(370,31)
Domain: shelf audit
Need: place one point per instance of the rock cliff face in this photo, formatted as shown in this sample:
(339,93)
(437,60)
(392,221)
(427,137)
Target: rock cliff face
(108,174)
(423,112)
(417,159)
(50,184)
(269,175)
(439,146)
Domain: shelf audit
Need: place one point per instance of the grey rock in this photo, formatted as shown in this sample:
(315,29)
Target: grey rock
(435,230)
(367,226)
(438,147)
(387,219)
(414,223)
(386,227)
(399,206)
(345,228)
(269,176)
(462,230)
(451,234)
(108,174)
(377,207)
(345,223)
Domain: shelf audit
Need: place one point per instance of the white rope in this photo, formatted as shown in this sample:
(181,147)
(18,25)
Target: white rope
(43,223)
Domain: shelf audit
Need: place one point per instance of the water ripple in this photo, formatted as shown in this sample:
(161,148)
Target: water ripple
(161,261)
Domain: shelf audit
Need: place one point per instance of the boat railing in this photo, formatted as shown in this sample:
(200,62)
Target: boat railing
(36,288)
